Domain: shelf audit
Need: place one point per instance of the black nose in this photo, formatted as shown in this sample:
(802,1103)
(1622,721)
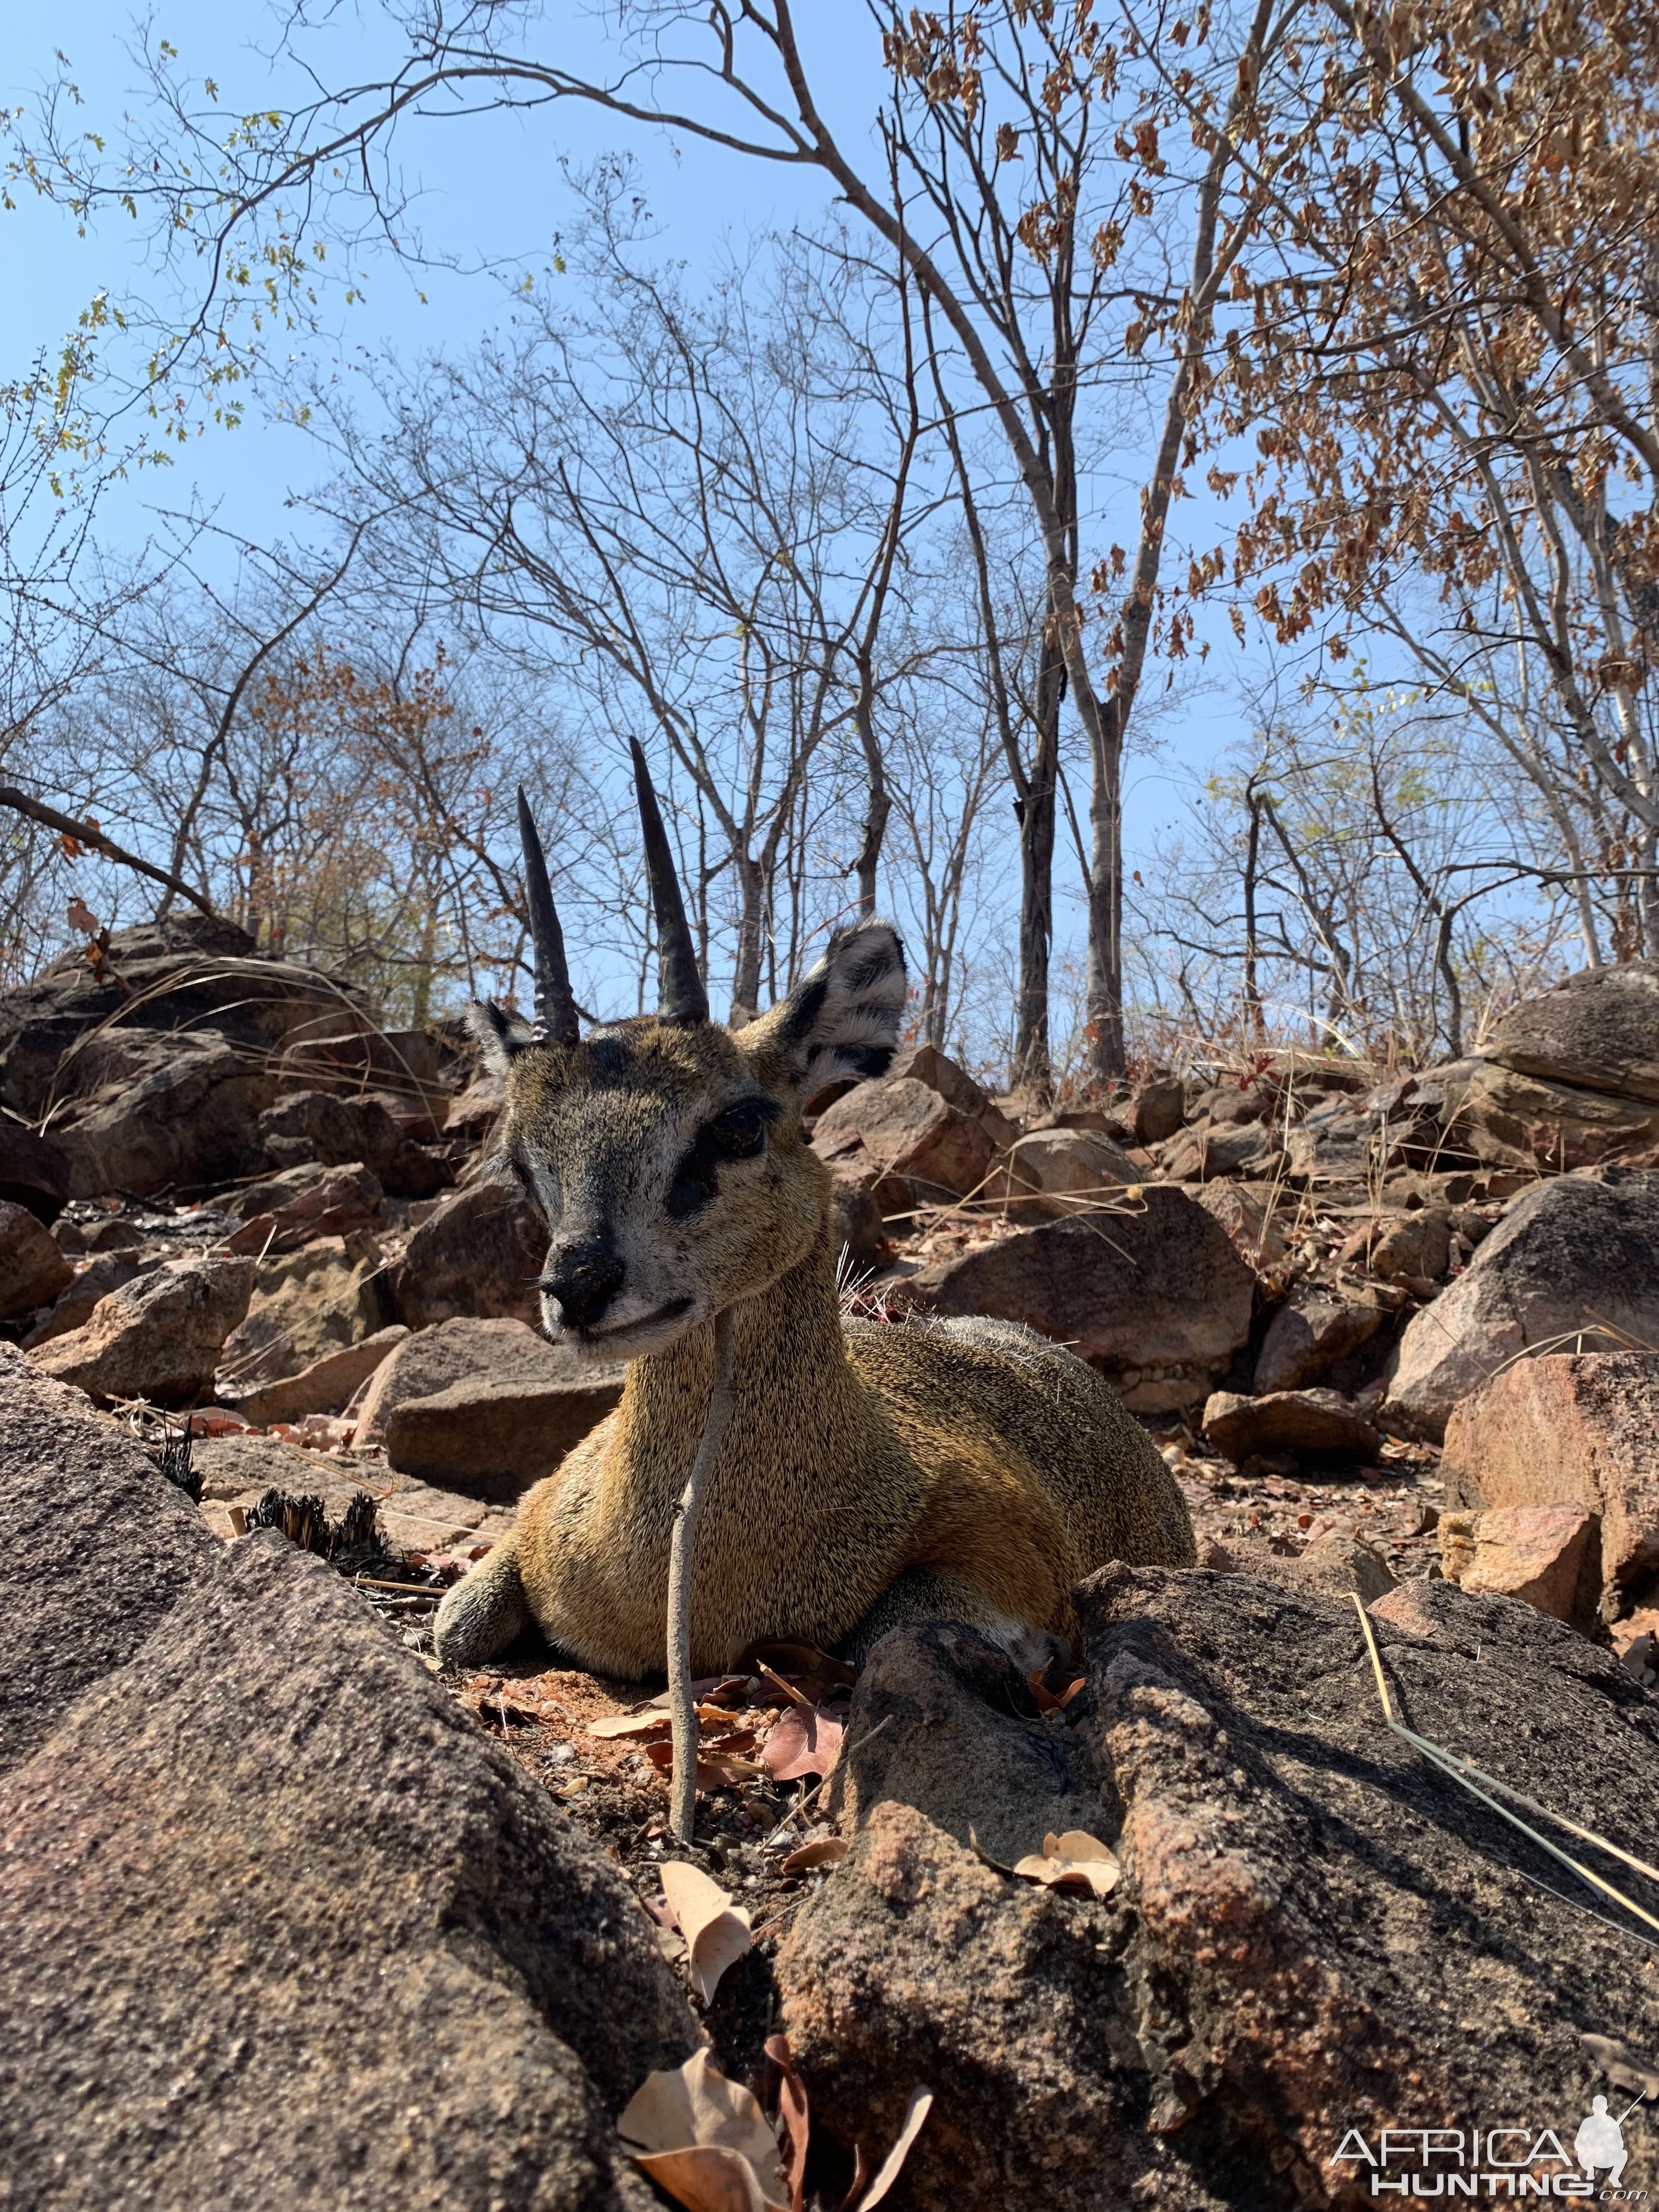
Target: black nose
(583,1276)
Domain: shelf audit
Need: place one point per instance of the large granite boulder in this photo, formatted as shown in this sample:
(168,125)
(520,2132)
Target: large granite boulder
(1573,1265)
(281,1926)
(1598,1030)
(170,978)
(916,1147)
(1156,1297)
(98,1549)
(323,1126)
(166,1112)
(1314,1930)
(329,1294)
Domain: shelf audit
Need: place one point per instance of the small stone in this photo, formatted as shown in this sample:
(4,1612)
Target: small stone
(1310,1423)
(158,1337)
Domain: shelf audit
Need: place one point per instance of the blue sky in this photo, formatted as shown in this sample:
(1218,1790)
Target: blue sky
(489,186)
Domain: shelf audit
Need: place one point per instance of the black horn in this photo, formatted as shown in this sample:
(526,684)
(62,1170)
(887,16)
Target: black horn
(555,1005)
(680,994)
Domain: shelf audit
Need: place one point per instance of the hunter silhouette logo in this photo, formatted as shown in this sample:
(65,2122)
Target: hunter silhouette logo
(1601,2140)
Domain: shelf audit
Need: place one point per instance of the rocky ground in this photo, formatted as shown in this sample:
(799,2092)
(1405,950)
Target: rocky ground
(1396,1333)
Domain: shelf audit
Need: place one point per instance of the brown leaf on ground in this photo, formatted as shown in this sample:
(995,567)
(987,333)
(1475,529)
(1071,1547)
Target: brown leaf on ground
(793,2112)
(915,2113)
(823,1851)
(615,1724)
(1073,1861)
(806,1740)
(717,1767)
(704,2139)
(1048,1702)
(716,1931)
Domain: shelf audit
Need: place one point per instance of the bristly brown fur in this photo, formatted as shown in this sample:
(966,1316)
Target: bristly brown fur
(869,1472)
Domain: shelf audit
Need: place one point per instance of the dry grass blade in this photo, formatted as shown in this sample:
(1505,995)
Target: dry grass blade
(1463,1771)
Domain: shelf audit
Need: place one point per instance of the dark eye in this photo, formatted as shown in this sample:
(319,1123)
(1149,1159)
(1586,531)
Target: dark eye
(737,1134)
(740,1132)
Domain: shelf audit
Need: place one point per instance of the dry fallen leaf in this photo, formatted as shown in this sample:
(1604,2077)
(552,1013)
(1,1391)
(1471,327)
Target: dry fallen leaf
(717,1767)
(823,1851)
(614,1724)
(716,1931)
(793,2112)
(704,2139)
(921,2104)
(806,1740)
(1073,1861)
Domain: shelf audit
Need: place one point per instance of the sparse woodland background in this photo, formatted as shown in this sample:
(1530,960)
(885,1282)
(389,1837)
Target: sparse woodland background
(1305,355)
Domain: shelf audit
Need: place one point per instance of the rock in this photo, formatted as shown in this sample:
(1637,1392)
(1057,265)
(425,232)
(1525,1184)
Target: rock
(1598,1030)
(34,1172)
(412,1517)
(473,1117)
(343,1202)
(1310,1423)
(1068,1168)
(1571,1430)
(1252,1214)
(1544,1555)
(1158,1108)
(1312,1333)
(98,1547)
(178,1113)
(326,1386)
(32,1270)
(1333,1145)
(925,1063)
(1576,1255)
(1335,1564)
(1417,1244)
(479,1254)
(284,1927)
(319,1125)
(1514,1120)
(487,1406)
(1229,1105)
(67,1032)
(1157,1299)
(938,1692)
(106,1272)
(1200,1155)
(305,1305)
(1314,1930)
(919,1148)
(157,1338)
(856,1223)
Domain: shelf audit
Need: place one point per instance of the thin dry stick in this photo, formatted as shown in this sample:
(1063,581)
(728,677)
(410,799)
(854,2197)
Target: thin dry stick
(683,1712)
(1461,1769)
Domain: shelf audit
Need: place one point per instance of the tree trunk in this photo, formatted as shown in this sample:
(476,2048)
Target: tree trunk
(1033,1067)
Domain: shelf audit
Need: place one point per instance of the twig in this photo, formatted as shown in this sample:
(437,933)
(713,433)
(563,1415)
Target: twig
(84,832)
(683,1733)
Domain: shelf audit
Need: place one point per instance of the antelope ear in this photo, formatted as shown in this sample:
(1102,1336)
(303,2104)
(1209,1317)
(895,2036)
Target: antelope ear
(501,1038)
(841,1019)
